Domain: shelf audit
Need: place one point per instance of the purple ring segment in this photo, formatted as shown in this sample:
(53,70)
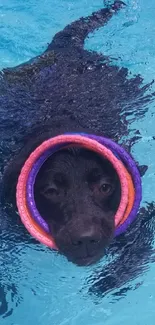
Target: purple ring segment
(133,170)
(30,186)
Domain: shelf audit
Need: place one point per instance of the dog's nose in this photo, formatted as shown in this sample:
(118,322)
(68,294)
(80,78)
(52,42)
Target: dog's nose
(88,240)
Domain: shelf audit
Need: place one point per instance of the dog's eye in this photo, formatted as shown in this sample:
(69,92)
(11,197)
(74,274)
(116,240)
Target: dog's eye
(50,191)
(106,188)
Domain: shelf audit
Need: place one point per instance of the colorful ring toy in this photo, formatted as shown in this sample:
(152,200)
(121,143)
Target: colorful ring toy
(122,162)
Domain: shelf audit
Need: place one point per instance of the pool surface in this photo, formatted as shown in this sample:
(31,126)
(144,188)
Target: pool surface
(41,287)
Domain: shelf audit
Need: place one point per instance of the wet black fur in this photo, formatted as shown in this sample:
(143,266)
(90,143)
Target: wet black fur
(68,88)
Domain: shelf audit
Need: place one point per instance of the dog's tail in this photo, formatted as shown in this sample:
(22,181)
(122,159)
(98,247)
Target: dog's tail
(73,35)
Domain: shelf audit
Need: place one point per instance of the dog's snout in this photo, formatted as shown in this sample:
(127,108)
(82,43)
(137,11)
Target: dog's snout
(86,240)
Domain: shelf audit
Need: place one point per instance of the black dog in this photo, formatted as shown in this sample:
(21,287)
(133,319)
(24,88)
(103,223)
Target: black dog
(70,89)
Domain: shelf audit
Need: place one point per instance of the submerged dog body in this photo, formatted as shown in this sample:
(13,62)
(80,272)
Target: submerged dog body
(70,89)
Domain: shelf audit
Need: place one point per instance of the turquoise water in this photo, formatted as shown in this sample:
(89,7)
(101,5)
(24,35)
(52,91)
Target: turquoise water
(49,289)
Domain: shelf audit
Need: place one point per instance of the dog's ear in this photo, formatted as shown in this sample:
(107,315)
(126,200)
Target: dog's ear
(12,170)
(30,143)
(128,146)
(142,169)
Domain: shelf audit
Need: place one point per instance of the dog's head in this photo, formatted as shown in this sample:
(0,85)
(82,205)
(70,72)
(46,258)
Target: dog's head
(77,193)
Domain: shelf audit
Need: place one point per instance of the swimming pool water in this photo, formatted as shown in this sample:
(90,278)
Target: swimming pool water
(48,289)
